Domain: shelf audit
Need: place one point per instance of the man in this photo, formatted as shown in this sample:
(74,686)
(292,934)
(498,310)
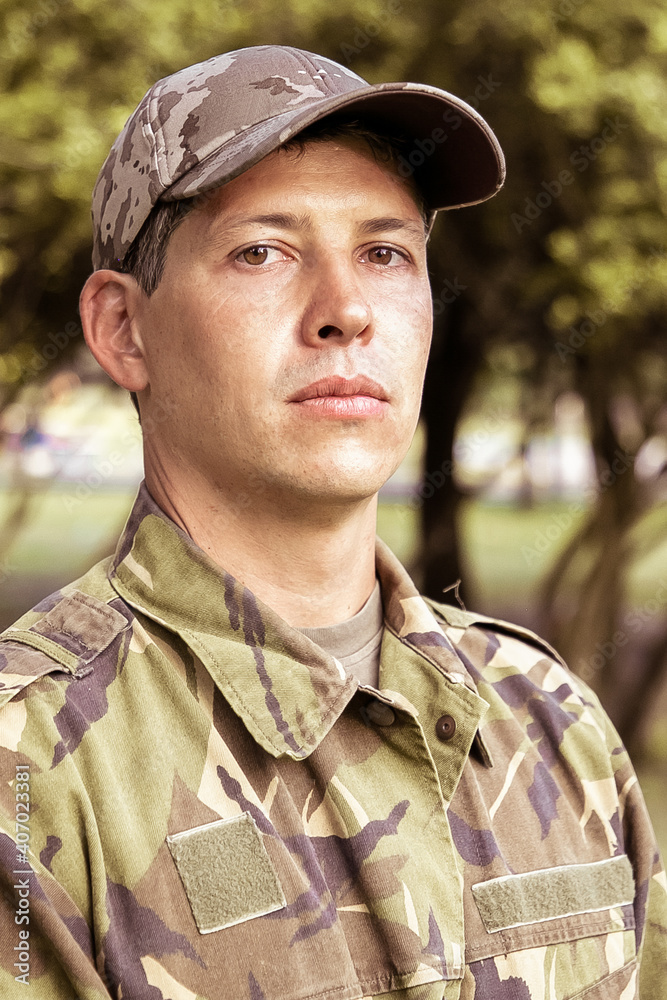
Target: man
(243,758)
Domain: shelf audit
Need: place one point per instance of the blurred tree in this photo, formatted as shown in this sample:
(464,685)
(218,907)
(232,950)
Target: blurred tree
(568,265)
(559,281)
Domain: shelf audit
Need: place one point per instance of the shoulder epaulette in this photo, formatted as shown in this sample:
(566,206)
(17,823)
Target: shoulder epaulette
(69,636)
(458,618)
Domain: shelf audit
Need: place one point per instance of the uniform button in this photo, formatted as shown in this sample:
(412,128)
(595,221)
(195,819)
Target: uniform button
(445,728)
(380,714)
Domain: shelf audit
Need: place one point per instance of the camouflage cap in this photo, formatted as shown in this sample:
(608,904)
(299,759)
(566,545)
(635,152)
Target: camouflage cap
(202,126)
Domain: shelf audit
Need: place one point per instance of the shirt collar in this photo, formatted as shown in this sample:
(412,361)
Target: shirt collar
(287,690)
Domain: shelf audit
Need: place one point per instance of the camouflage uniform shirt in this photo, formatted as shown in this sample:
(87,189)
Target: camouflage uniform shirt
(198,803)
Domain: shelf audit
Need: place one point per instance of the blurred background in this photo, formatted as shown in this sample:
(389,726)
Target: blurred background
(538,476)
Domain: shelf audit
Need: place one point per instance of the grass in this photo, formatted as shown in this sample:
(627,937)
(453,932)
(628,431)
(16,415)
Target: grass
(66,534)
(507,551)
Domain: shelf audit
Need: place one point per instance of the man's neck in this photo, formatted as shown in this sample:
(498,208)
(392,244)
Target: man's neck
(313,564)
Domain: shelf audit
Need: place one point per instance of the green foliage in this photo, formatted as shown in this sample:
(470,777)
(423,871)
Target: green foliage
(550,78)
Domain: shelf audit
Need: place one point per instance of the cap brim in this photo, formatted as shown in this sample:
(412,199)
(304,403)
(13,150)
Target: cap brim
(452,153)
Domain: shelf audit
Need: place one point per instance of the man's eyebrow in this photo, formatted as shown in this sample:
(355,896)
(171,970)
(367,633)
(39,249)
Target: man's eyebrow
(384,225)
(278,220)
(228,228)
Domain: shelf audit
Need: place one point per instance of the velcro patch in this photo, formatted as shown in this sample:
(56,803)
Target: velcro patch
(515,900)
(226,871)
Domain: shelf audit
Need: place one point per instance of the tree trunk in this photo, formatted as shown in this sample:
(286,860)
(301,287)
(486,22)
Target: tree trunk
(449,377)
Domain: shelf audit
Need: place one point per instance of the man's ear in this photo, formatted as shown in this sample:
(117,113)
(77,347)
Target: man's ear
(107,306)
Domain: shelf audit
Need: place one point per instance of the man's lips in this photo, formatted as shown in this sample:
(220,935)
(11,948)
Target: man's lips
(336,385)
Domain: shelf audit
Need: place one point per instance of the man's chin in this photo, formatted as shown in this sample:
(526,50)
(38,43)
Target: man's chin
(340,487)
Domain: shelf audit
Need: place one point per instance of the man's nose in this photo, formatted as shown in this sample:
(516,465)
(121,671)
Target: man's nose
(338,309)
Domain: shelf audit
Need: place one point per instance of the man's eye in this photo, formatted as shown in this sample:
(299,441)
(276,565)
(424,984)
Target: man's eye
(255,255)
(385,255)
(261,254)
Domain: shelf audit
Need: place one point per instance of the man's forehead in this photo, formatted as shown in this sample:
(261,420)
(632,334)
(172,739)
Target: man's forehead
(277,180)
